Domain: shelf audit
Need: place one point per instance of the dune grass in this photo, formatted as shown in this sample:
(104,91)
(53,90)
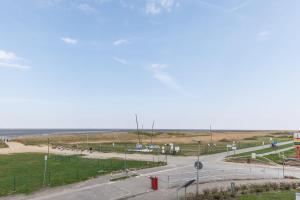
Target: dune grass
(24,173)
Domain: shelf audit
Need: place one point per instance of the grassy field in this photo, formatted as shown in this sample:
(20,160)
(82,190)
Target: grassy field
(266,150)
(2,144)
(278,159)
(23,173)
(104,142)
(282,195)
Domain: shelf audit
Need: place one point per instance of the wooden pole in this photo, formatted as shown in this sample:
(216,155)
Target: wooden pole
(137,128)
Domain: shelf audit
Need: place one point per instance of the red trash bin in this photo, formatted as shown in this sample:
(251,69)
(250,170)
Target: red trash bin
(154,183)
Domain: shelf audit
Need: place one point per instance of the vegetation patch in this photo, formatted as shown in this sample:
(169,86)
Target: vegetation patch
(3,144)
(24,173)
(267,191)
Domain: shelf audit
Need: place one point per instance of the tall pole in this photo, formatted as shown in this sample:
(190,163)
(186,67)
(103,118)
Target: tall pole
(87,141)
(125,160)
(152,133)
(45,170)
(283,163)
(48,147)
(137,128)
(211,136)
(197,189)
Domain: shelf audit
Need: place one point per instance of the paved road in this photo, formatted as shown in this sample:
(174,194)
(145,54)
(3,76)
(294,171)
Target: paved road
(178,170)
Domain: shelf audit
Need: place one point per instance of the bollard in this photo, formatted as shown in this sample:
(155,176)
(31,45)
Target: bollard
(232,184)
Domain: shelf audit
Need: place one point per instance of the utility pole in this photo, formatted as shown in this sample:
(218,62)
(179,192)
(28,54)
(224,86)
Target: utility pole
(137,128)
(152,133)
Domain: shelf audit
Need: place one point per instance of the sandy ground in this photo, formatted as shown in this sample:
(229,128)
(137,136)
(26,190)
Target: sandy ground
(15,147)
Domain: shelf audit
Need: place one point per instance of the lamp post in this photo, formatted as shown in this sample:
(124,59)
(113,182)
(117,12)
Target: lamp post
(198,160)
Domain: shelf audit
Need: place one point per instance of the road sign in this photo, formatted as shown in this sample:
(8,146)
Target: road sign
(198,165)
(233,148)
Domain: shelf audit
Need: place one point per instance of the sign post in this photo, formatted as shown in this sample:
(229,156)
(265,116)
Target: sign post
(45,170)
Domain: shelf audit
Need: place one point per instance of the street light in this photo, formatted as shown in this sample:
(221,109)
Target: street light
(197,188)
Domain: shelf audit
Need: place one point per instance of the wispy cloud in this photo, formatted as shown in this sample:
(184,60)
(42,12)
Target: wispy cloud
(69,40)
(155,7)
(241,5)
(29,100)
(159,73)
(12,61)
(120,60)
(263,35)
(86,8)
(120,42)
(14,66)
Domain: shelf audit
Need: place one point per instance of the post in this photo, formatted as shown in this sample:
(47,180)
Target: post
(48,147)
(87,141)
(152,133)
(283,163)
(125,164)
(211,136)
(137,128)
(45,170)
(185,193)
(166,158)
(197,189)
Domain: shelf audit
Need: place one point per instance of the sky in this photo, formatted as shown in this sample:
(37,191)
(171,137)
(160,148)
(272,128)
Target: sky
(186,64)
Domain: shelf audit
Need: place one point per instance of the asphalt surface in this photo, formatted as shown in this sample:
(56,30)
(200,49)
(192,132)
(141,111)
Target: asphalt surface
(170,177)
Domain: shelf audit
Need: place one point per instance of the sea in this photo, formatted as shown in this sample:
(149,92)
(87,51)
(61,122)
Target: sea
(24,132)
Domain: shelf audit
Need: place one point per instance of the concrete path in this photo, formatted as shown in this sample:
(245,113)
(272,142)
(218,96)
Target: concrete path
(178,171)
(274,152)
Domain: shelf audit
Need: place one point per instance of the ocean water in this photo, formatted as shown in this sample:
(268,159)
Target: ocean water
(22,132)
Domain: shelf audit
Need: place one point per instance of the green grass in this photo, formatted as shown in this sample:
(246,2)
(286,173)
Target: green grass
(186,149)
(278,159)
(266,150)
(2,144)
(23,173)
(282,195)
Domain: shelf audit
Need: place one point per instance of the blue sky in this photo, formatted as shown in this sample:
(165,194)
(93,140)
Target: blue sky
(233,64)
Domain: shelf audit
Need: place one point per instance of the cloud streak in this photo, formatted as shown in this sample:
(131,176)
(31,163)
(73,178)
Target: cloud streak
(159,73)
(120,42)
(155,7)
(120,60)
(86,8)
(14,66)
(263,35)
(69,40)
